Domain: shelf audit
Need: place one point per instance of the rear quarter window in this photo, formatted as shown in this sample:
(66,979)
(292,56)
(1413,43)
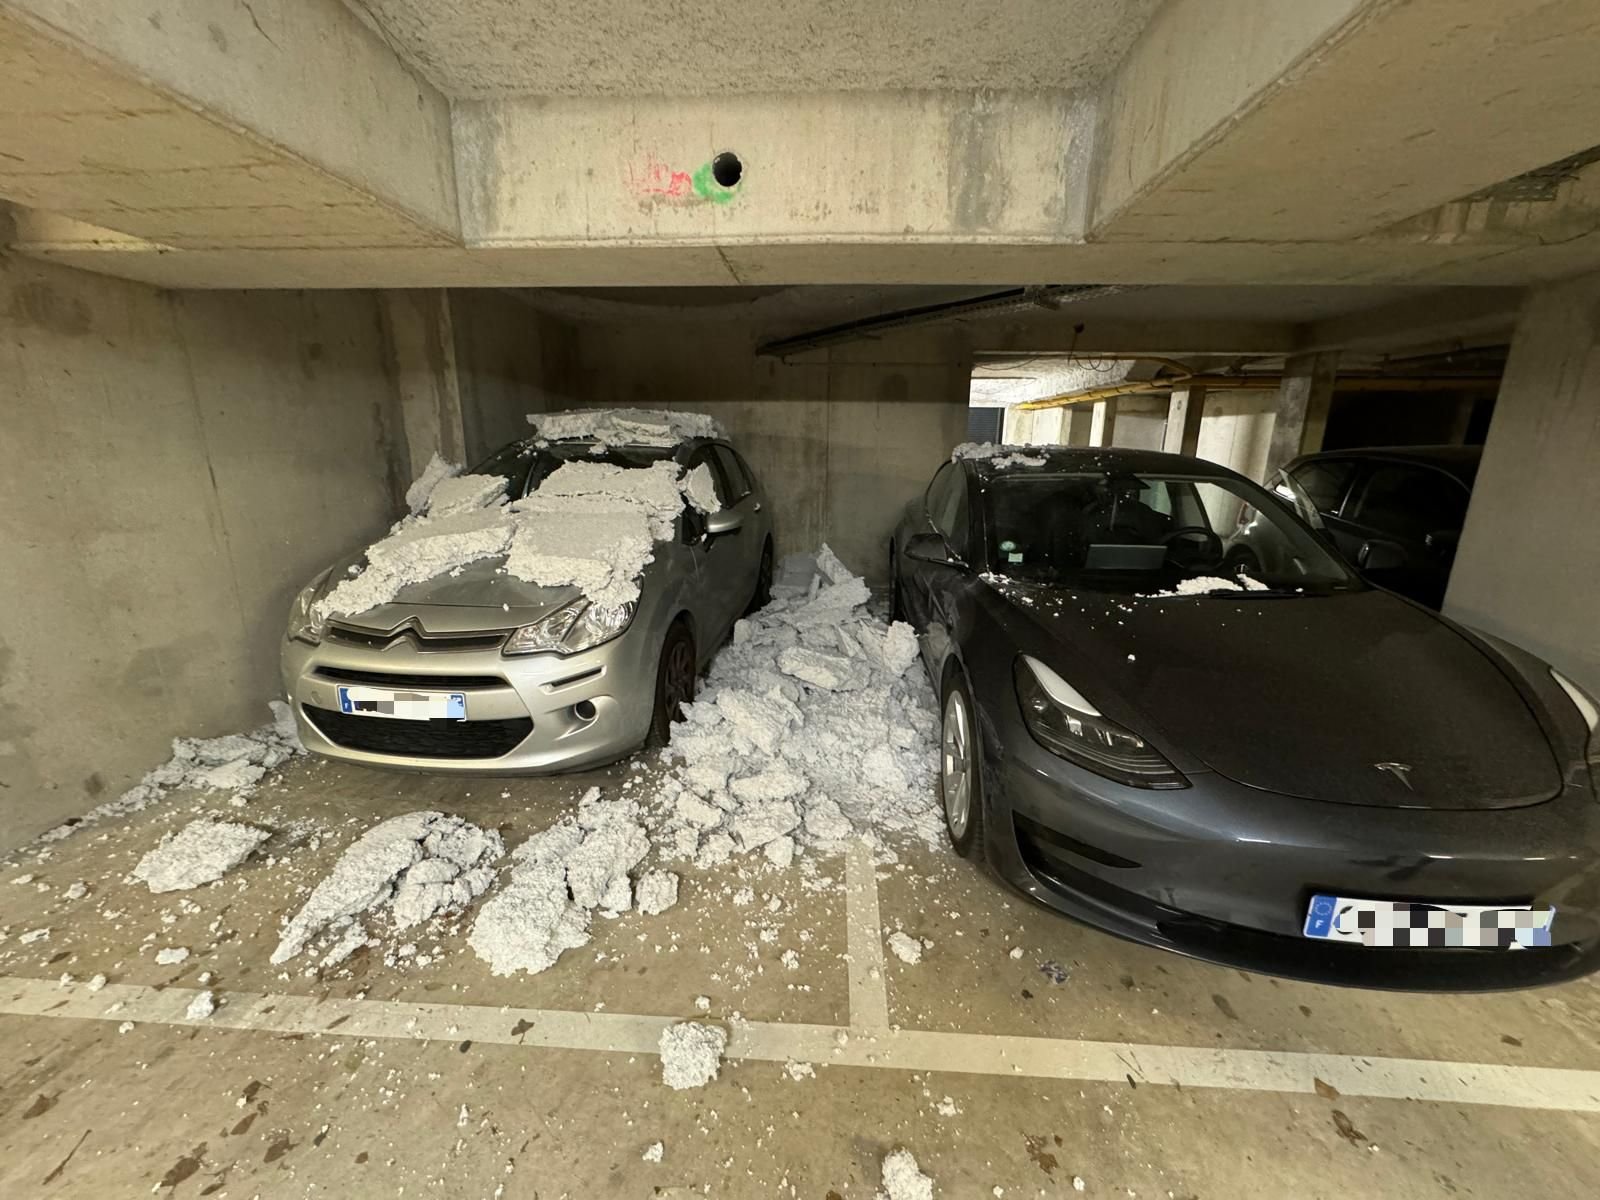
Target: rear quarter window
(1325,481)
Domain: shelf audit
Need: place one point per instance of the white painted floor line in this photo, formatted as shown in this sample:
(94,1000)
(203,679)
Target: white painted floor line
(904,1050)
(869,992)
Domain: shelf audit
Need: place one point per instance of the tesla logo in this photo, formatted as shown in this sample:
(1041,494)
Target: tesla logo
(1401,771)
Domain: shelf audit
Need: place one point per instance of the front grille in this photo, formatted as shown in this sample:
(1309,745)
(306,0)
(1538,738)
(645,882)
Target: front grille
(394,679)
(375,639)
(420,739)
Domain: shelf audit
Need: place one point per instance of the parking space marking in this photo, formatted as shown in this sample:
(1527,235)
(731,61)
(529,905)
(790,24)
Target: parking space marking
(869,993)
(1552,1088)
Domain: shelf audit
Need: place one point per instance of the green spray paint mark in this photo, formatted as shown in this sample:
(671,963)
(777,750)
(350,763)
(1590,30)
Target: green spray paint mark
(707,188)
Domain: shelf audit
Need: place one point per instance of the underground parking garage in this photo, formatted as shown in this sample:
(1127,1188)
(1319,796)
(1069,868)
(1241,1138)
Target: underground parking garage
(1094,482)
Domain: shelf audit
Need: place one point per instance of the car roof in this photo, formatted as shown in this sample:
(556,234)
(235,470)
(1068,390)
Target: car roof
(1108,460)
(1459,461)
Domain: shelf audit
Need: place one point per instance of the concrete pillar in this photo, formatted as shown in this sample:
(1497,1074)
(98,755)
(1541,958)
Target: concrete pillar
(1048,424)
(1528,567)
(1077,425)
(1184,410)
(1303,400)
(422,357)
(1103,423)
(1017,428)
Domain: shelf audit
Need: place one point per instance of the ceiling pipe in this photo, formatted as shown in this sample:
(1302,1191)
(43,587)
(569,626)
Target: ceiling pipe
(1050,296)
(1234,383)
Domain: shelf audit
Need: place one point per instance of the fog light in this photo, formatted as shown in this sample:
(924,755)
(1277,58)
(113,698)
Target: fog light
(584,710)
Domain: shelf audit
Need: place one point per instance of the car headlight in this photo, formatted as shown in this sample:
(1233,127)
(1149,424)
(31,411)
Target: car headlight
(1063,722)
(576,626)
(303,626)
(1590,712)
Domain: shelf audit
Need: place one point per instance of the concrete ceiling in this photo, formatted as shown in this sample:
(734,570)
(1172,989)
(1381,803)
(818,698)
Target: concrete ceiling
(488,48)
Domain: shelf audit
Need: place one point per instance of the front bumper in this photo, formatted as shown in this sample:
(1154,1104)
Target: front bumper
(1222,872)
(526,715)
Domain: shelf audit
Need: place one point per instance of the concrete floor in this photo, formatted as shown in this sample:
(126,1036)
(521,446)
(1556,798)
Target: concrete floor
(1139,1073)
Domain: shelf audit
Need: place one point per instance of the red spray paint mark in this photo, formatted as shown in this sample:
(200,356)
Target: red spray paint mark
(658,179)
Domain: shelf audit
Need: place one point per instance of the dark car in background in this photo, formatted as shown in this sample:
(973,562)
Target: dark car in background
(1396,513)
(1284,769)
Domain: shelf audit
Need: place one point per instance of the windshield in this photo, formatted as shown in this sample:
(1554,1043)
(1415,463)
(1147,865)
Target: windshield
(1152,533)
(524,465)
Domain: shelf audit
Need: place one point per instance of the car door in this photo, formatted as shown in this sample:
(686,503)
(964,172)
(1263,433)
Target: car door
(1407,518)
(927,586)
(722,579)
(741,498)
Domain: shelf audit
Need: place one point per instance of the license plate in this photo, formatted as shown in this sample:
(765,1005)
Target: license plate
(403,706)
(1417,925)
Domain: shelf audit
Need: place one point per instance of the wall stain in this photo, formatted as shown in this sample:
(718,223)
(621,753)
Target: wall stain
(979,183)
(38,304)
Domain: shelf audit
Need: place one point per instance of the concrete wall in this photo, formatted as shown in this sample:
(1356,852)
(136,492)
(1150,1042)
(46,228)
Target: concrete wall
(1528,568)
(841,438)
(175,465)
(510,360)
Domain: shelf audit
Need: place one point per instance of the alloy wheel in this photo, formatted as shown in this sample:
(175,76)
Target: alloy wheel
(679,686)
(956,765)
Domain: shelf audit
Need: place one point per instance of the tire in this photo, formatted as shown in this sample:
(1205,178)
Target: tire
(958,739)
(762,596)
(675,679)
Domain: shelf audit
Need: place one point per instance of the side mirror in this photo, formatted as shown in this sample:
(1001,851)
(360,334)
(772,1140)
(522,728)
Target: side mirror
(1380,556)
(726,520)
(932,548)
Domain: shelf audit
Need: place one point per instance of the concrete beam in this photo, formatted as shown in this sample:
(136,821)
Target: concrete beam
(276,123)
(985,262)
(1476,315)
(1235,120)
(834,167)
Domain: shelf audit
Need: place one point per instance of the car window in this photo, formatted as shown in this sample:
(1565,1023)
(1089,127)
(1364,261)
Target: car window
(733,471)
(1411,502)
(749,475)
(947,506)
(525,464)
(1147,533)
(1324,481)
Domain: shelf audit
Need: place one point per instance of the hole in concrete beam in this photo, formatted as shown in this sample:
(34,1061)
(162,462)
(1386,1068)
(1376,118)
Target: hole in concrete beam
(726,169)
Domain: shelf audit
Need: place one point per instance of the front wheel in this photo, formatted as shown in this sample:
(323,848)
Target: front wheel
(960,771)
(675,677)
(762,596)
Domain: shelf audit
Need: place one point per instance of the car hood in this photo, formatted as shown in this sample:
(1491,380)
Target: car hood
(1305,695)
(481,585)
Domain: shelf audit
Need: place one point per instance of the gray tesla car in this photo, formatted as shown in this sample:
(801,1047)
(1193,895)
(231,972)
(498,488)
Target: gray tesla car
(1289,771)
(476,670)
